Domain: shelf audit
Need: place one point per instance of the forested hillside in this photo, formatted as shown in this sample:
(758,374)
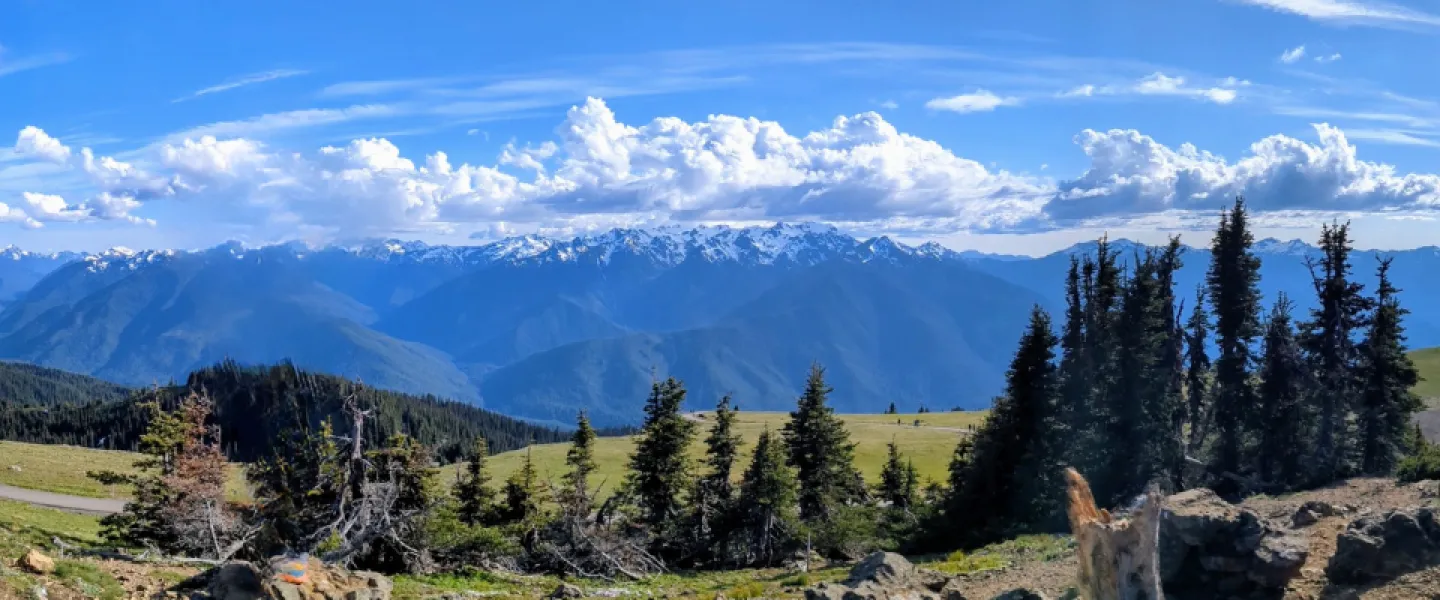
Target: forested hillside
(22,383)
(254,404)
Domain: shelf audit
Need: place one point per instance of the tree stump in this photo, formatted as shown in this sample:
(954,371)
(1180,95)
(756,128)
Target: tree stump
(1119,558)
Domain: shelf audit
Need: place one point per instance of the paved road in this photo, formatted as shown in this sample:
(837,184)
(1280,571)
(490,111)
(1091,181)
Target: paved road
(77,504)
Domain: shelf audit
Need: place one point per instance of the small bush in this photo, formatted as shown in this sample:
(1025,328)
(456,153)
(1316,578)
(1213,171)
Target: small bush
(1423,463)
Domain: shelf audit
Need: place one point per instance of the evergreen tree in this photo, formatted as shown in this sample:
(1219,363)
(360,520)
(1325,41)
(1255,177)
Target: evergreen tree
(1279,415)
(660,465)
(473,492)
(1234,289)
(722,448)
(1075,372)
(1101,289)
(891,410)
(899,483)
(1387,403)
(1164,406)
(1328,339)
(1197,373)
(524,496)
(821,452)
(576,498)
(1011,481)
(765,513)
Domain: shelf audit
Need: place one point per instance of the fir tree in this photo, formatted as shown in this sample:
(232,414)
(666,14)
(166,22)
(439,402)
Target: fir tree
(472,490)
(1075,370)
(1197,373)
(765,513)
(660,465)
(1164,406)
(1011,481)
(524,496)
(820,451)
(722,447)
(1279,415)
(1234,289)
(899,483)
(1387,378)
(891,409)
(1328,341)
(576,498)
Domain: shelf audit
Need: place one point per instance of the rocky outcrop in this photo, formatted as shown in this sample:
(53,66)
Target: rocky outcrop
(1227,551)
(888,576)
(37,563)
(566,590)
(1384,546)
(244,581)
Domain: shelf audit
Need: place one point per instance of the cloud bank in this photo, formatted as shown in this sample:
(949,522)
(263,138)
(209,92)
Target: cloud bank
(599,171)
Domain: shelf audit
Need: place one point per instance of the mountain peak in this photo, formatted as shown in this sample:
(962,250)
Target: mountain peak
(1295,247)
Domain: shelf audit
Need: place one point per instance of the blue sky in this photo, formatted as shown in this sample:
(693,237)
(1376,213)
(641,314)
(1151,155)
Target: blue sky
(1015,126)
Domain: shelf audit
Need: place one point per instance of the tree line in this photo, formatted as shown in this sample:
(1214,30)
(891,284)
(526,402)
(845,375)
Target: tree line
(251,405)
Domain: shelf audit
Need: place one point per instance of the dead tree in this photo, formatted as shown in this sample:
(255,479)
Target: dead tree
(1119,558)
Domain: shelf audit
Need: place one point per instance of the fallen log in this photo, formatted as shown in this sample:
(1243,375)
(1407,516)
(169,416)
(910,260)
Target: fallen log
(1119,558)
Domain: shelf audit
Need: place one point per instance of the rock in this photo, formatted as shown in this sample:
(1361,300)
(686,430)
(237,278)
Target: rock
(37,563)
(1429,488)
(1019,594)
(236,581)
(1377,547)
(1304,518)
(567,590)
(1207,543)
(888,576)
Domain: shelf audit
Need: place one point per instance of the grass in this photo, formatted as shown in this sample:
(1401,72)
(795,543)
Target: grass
(930,445)
(1427,361)
(23,527)
(61,469)
(1003,555)
(744,583)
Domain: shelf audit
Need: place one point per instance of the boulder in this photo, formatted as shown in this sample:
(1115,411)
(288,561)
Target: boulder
(236,581)
(37,563)
(888,576)
(1209,544)
(243,581)
(1379,547)
(1312,511)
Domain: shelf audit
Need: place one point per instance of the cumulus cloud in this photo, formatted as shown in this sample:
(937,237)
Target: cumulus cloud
(599,171)
(1293,55)
(1328,58)
(980,101)
(1133,174)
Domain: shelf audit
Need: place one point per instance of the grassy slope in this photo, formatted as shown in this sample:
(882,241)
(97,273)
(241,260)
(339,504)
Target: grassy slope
(1428,362)
(61,469)
(930,445)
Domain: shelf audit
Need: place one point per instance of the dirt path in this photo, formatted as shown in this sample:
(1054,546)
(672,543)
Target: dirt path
(76,504)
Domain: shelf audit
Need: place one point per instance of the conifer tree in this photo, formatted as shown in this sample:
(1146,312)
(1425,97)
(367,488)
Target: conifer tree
(899,483)
(1328,340)
(1280,417)
(1164,406)
(660,470)
(524,495)
(821,452)
(722,448)
(1197,373)
(1101,289)
(1011,480)
(576,498)
(472,489)
(1234,289)
(1075,371)
(766,519)
(891,409)
(1387,377)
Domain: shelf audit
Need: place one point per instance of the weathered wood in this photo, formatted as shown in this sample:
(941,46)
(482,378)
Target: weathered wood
(1119,558)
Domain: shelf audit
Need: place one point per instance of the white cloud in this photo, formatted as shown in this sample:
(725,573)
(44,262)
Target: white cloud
(10,66)
(1132,174)
(1352,12)
(283,121)
(242,81)
(889,105)
(1328,58)
(1223,91)
(599,171)
(1292,55)
(35,142)
(979,101)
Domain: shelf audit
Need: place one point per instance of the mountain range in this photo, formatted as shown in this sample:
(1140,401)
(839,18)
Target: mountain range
(541,327)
